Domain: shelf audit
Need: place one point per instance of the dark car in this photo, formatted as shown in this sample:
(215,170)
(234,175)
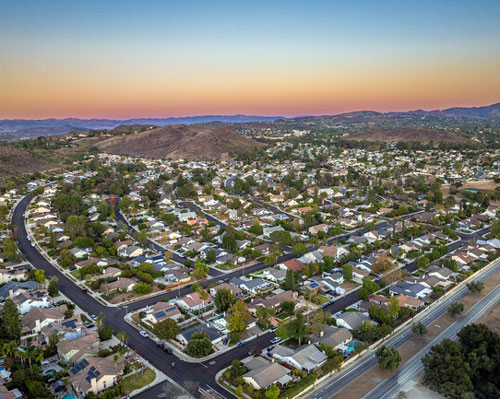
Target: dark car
(240,344)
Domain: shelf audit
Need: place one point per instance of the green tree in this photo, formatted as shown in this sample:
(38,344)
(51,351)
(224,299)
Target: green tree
(11,324)
(270,260)
(368,288)
(290,280)
(40,276)
(53,287)
(455,309)
(211,256)
(237,316)
(256,229)
(166,329)
(446,370)
(263,314)
(347,272)
(288,307)
(422,262)
(295,329)
(9,249)
(299,248)
(419,329)
(200,269)
(223,300)
(105,332)
(273,392)
(199,345)
(75,226)
(388,357)
(475,287)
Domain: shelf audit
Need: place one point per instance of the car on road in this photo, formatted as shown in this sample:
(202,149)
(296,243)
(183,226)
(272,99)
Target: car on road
(144,333)
(276,340)
(93,317)
(32,244)
(240,344)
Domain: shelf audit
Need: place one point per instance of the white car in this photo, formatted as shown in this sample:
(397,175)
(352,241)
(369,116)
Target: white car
(275,340)
(144,333)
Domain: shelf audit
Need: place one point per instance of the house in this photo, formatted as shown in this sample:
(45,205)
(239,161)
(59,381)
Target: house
(185,335)
(274,275)
(409,302)
(131,252)
(95,374)
(413,290)
(15,273)
(273,302)
(32,299)
(252,285)
(75,350)
(335,252)
(351,320)
(292,264)
(12,394)
(36,318)
(235,290)
(193,301)
(78,252)
(16,287)
(313,230)
(262,373)
(67,329)
(266,248)
(306,357)
(122,284)
(161,311)
(442,273)
(332,336)
(91,261)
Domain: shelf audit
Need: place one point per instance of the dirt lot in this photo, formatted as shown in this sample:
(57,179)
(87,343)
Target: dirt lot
(477,185)
(373,376)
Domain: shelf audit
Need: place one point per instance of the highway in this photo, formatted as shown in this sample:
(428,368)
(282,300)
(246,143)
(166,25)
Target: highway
(410,369)
(349,374)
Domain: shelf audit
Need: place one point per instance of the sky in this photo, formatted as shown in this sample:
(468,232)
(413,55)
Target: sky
(128,59)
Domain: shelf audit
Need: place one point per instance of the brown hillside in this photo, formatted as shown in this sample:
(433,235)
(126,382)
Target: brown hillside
(16,161)
(407,134)
(179,141)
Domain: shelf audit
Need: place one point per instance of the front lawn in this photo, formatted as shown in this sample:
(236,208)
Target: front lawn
(137,381)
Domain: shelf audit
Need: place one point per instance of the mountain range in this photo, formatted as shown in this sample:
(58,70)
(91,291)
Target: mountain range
(21,128)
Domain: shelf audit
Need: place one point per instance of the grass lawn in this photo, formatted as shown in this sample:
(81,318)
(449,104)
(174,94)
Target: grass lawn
(322,299)
(75,273)
(283,316)
(227,266)
(136,381)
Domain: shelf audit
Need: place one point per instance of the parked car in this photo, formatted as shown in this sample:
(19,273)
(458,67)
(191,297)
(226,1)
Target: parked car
(276,340)
(144,333)
(240,344)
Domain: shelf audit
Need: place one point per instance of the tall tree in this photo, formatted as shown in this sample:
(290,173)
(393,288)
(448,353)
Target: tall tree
(10,320)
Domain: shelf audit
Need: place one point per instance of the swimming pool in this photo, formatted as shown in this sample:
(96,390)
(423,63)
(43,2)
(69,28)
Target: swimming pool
(352,345)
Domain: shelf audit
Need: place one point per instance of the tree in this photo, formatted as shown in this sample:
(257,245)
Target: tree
(347,272)
(295,329)
(422,262)
(475,287)
(53,287)
(299,248)
(419,329)
(450,264)
(290,280)
(368,288)
(446,370)
(11,325)
(455,309)
(263,314)
(256,229)
(223,299)
(105,332)
(237,316)
(200,269)
(281,238)
(9,248)
(142,288)
(211,256)
(383,264)
(388,357)
(288,307)
(40,276)
(273,392)
(166,329)
(199,345)
(75,226)
(270,260)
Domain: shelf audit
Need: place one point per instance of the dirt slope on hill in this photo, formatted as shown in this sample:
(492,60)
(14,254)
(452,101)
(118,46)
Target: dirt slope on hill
(16,161)
(179,141)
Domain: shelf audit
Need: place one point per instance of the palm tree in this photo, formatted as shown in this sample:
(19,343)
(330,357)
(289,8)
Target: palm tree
(122,337)
(9,349)
(99,320)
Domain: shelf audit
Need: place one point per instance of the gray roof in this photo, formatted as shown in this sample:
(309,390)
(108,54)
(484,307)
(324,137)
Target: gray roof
(16,285)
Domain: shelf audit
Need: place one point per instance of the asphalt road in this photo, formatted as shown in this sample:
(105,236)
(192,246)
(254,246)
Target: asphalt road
(348,375)
(409,370)
(186,374)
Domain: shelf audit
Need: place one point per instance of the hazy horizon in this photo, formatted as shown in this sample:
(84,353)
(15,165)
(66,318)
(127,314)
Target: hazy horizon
(127,60)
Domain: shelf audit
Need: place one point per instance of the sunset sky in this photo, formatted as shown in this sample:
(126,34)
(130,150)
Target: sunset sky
(132,59)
